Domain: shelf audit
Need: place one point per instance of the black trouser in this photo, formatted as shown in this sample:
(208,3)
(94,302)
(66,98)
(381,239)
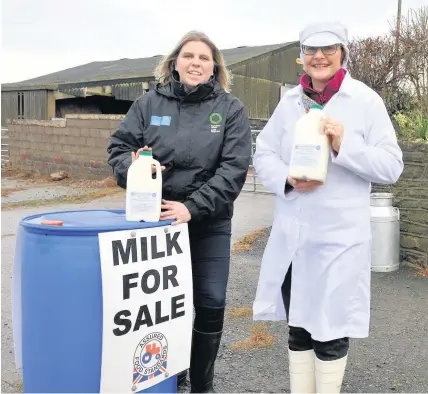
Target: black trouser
(210,252)
(299,339)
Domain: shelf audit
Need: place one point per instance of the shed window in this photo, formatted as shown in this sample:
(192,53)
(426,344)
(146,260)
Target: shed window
(20,105)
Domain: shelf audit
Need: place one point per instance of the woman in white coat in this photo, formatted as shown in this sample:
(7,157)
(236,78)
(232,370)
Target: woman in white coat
(316,267)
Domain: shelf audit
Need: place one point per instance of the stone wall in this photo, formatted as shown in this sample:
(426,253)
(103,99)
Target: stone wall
(257,124)
(411,197)
(76,144)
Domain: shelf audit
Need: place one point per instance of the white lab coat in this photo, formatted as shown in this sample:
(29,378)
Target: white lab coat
(325,233)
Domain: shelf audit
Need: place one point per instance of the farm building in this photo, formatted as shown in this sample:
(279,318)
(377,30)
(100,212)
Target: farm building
(260,74)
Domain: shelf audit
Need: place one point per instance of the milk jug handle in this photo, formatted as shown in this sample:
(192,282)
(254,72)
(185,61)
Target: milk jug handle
(158,168)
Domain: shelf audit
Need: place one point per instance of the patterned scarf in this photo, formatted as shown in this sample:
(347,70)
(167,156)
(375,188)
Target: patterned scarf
(311,96)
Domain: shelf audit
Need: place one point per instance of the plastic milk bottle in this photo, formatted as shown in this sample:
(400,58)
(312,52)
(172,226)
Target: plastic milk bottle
(143,193)
(311,147)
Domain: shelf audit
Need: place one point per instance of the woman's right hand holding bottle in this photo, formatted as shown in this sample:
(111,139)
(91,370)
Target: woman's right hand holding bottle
(136,155)
(303,185)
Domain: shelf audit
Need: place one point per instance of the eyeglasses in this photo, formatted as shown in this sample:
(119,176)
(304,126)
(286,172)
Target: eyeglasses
(326,50)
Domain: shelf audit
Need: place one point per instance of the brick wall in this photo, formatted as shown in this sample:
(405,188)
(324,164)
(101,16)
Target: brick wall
(76,144)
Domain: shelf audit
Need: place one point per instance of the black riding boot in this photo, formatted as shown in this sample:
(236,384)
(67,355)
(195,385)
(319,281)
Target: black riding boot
(205,344)
(204,353)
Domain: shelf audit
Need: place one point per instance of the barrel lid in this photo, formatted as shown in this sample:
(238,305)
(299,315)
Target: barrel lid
(85,221)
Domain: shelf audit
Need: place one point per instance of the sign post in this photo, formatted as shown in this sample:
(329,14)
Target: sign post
(147,306)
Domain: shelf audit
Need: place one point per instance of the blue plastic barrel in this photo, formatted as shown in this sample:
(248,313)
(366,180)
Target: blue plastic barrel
(61,300)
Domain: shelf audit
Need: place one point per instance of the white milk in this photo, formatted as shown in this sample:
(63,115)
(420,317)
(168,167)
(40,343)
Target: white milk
(311,148)
(143,193)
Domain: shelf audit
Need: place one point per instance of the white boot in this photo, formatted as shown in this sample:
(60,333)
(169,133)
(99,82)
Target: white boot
(329,375)
(302,371)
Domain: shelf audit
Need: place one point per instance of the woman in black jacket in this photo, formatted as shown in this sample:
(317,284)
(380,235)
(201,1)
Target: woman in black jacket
(201,136)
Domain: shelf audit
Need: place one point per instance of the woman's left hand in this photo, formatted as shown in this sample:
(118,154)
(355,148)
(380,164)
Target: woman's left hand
(175,210)
(334,131)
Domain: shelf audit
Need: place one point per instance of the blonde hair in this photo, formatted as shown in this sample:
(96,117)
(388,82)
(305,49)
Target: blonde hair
(163,71)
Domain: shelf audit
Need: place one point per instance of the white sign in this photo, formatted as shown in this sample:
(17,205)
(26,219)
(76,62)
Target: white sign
(147,307)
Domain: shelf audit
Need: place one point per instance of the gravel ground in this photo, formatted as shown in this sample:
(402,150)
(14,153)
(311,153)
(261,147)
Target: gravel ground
(41,193)
(27,191)
(12,183)
(393,359)
(244,222)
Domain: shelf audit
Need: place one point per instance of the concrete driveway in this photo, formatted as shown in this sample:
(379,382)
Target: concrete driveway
(393,359)
(252,212)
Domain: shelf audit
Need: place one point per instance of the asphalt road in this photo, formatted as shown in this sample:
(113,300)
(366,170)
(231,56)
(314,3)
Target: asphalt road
(252,212)
(393,359)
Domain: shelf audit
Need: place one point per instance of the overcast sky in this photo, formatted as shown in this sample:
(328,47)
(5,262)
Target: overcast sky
(44,36)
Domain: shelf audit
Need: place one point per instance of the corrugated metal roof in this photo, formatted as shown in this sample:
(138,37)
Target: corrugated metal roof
(128,68)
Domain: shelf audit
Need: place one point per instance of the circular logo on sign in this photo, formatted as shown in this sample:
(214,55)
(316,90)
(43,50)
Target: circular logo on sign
(215,118)
(318,147)
(151,354)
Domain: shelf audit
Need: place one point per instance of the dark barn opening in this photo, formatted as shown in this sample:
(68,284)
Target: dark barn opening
(92,105)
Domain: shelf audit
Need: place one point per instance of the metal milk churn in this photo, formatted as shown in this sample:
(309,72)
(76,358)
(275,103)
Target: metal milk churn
(385,227)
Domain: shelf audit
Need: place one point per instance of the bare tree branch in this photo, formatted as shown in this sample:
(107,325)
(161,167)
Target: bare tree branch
(372,61)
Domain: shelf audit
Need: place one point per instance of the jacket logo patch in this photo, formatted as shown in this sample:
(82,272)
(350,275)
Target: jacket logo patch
(215,120)
(160,121)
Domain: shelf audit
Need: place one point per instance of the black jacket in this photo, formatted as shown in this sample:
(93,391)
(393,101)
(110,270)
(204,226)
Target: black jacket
(202,137)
